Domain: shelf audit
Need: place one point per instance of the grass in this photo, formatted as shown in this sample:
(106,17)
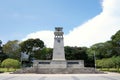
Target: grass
(7,70)
(109,70)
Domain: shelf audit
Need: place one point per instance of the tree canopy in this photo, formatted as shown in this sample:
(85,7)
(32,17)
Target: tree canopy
(29,45)
(12,49)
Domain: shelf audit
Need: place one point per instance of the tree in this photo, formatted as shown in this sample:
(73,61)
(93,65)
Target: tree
(12,49)
(44,54)
(116,43)
(69,52)
(10,63)
(77,53)
(99,64)
(2,55)
(116,61)
(90,60)
(108,46)
(107,62)
(116,38)
(94,53)
(101,50)
(29,45)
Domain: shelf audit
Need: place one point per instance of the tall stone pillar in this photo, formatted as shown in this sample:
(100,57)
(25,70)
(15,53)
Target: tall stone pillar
(58,50)
(58,59)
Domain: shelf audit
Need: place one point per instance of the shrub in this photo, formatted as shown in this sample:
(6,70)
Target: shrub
(10,63)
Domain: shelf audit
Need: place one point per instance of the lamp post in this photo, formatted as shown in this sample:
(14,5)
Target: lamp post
(95,60)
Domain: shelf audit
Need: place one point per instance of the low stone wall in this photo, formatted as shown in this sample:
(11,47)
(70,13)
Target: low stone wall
(75,63)
(58,63)
(42,63)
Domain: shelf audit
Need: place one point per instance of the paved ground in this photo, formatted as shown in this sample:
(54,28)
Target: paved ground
(109,76)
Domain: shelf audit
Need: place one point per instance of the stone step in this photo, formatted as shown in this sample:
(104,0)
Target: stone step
(58,70)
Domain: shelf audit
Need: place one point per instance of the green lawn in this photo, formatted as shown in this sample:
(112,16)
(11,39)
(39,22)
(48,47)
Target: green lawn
(7,70)
(110,69)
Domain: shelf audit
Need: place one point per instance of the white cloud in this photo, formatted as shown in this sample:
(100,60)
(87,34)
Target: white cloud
(46,36)
(98,29)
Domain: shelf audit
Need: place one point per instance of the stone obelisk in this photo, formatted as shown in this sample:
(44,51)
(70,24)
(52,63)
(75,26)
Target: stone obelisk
(58,50)
(58,58)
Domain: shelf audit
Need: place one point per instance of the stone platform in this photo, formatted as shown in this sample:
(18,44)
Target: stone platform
(58,67)
(57,70)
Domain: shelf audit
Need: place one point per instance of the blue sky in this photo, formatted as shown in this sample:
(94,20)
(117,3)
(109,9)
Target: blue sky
(85,22)
(18,18)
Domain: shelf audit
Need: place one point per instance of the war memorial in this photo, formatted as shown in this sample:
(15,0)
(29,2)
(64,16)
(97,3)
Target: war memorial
(58,64)
(58,58)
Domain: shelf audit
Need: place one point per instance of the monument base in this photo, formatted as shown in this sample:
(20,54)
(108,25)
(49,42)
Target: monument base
(58,67)
(57,71)
(58,63)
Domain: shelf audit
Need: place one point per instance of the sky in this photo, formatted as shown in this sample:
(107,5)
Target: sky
(84,22)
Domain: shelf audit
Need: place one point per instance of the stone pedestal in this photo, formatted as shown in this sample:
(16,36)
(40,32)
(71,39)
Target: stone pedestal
(58,64)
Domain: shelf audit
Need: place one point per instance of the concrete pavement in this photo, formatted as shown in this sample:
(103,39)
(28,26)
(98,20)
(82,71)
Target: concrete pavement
(109,76)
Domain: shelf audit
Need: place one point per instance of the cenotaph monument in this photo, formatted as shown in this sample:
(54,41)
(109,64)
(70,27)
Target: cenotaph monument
(58,64)
(58,58)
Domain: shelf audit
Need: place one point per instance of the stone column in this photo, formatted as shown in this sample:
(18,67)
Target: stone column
(58,58)
(58,50)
